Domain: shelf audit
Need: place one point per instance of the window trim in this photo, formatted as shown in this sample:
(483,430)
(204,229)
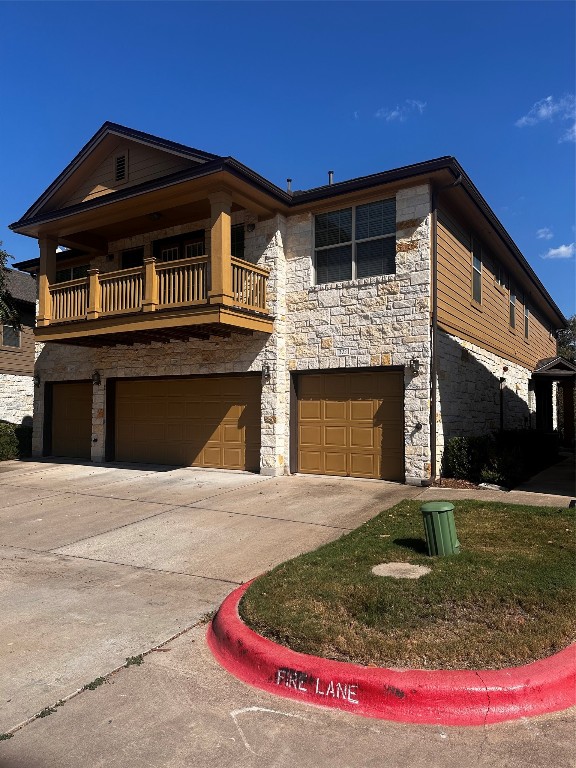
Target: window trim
(476,255)
(10,347)
(512,297)
(352,243)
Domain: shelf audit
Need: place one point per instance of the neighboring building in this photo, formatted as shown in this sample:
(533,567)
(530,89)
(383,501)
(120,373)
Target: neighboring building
(206,317)
(17,351)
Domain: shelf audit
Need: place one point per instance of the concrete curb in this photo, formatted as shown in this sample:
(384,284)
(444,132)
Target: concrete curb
(459,697)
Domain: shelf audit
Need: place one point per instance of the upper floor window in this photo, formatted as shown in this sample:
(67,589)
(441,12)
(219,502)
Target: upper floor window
(512,307)
(181,247)
(10,336)
(356,242)
(134,257)
(237,241)
(499,275)
(526,318)
(477,272)
(71,273)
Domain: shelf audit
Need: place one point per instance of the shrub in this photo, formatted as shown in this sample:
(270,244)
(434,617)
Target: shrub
(15,441)
(504,458)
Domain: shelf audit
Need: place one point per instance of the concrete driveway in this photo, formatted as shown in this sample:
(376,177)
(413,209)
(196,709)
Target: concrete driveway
(99,563)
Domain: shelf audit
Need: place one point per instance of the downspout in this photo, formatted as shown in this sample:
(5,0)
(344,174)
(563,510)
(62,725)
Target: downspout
(434,330)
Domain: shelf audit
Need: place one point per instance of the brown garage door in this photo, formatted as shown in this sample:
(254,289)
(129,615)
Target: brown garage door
(71,419)
(351,424)
(206,422)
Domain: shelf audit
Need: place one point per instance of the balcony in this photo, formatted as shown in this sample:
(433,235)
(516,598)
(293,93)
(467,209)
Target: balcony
(156,302)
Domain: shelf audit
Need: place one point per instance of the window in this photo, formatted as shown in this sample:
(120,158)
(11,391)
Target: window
(132,258)
(477,272)
(121,167)
(237,241)
(526,318)
(499,275)
(10,336)
(512,307)
(356,242)
(71,273)
(182,247)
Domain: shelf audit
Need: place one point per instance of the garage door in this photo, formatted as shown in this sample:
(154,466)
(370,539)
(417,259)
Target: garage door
(351,424)
(71,419)
(205,422)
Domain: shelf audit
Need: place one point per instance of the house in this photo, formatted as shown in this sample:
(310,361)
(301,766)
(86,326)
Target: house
(193,313)
(17,350)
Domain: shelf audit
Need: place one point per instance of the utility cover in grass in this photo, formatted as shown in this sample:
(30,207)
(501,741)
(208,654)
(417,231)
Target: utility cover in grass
(400,570)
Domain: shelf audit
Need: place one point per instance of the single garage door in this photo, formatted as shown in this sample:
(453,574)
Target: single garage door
(205,422)
(71,419)
(351,424)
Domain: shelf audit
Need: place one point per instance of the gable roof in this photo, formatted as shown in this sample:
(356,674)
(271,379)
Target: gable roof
(21,286)
(206,163)
(121,131)
(556,364)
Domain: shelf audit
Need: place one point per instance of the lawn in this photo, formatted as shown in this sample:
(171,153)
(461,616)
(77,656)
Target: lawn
(507,599)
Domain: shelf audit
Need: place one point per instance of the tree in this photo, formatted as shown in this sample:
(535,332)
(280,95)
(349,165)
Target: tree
(567,340)
(8,312)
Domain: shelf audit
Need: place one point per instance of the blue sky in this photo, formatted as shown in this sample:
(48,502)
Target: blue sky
(295,89)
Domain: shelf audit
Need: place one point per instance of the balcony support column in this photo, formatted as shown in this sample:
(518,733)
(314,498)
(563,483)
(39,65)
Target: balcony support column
(221,248)
(94,295)
(46,278)
(150,302)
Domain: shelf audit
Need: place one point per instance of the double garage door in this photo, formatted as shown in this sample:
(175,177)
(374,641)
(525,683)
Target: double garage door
(349,423)
(205,422)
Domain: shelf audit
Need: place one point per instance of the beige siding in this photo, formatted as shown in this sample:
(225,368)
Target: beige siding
(144,164)
(487,324)
(19,361)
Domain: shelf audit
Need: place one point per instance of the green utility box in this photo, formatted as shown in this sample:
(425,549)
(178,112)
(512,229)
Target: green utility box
(440,529)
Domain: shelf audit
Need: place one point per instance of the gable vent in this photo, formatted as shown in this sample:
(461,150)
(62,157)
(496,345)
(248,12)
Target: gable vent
(120,167)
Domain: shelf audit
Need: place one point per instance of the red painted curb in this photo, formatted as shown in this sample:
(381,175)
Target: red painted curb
(459,697)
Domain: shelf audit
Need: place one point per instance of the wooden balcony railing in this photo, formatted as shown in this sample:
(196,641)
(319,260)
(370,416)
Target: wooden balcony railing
(121,291)
(70,300)
(154,286)
(183,282)
(249,285)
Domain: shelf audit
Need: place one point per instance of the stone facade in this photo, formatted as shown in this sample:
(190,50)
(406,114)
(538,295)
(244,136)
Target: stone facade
(365,323)
(16,398)
(374,321)
(468,392)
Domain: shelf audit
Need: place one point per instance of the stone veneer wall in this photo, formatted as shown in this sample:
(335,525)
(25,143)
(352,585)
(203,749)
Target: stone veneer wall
(375,321)
(16,397)
(237,354)
(468,393)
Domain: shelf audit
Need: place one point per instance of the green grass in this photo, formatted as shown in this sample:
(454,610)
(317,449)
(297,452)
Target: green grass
(507,599)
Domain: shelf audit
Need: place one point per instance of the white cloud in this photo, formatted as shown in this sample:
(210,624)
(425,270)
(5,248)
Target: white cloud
(544,234)
(570,133)
(356,115)
(562,252)
(401,112)
(551,110)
